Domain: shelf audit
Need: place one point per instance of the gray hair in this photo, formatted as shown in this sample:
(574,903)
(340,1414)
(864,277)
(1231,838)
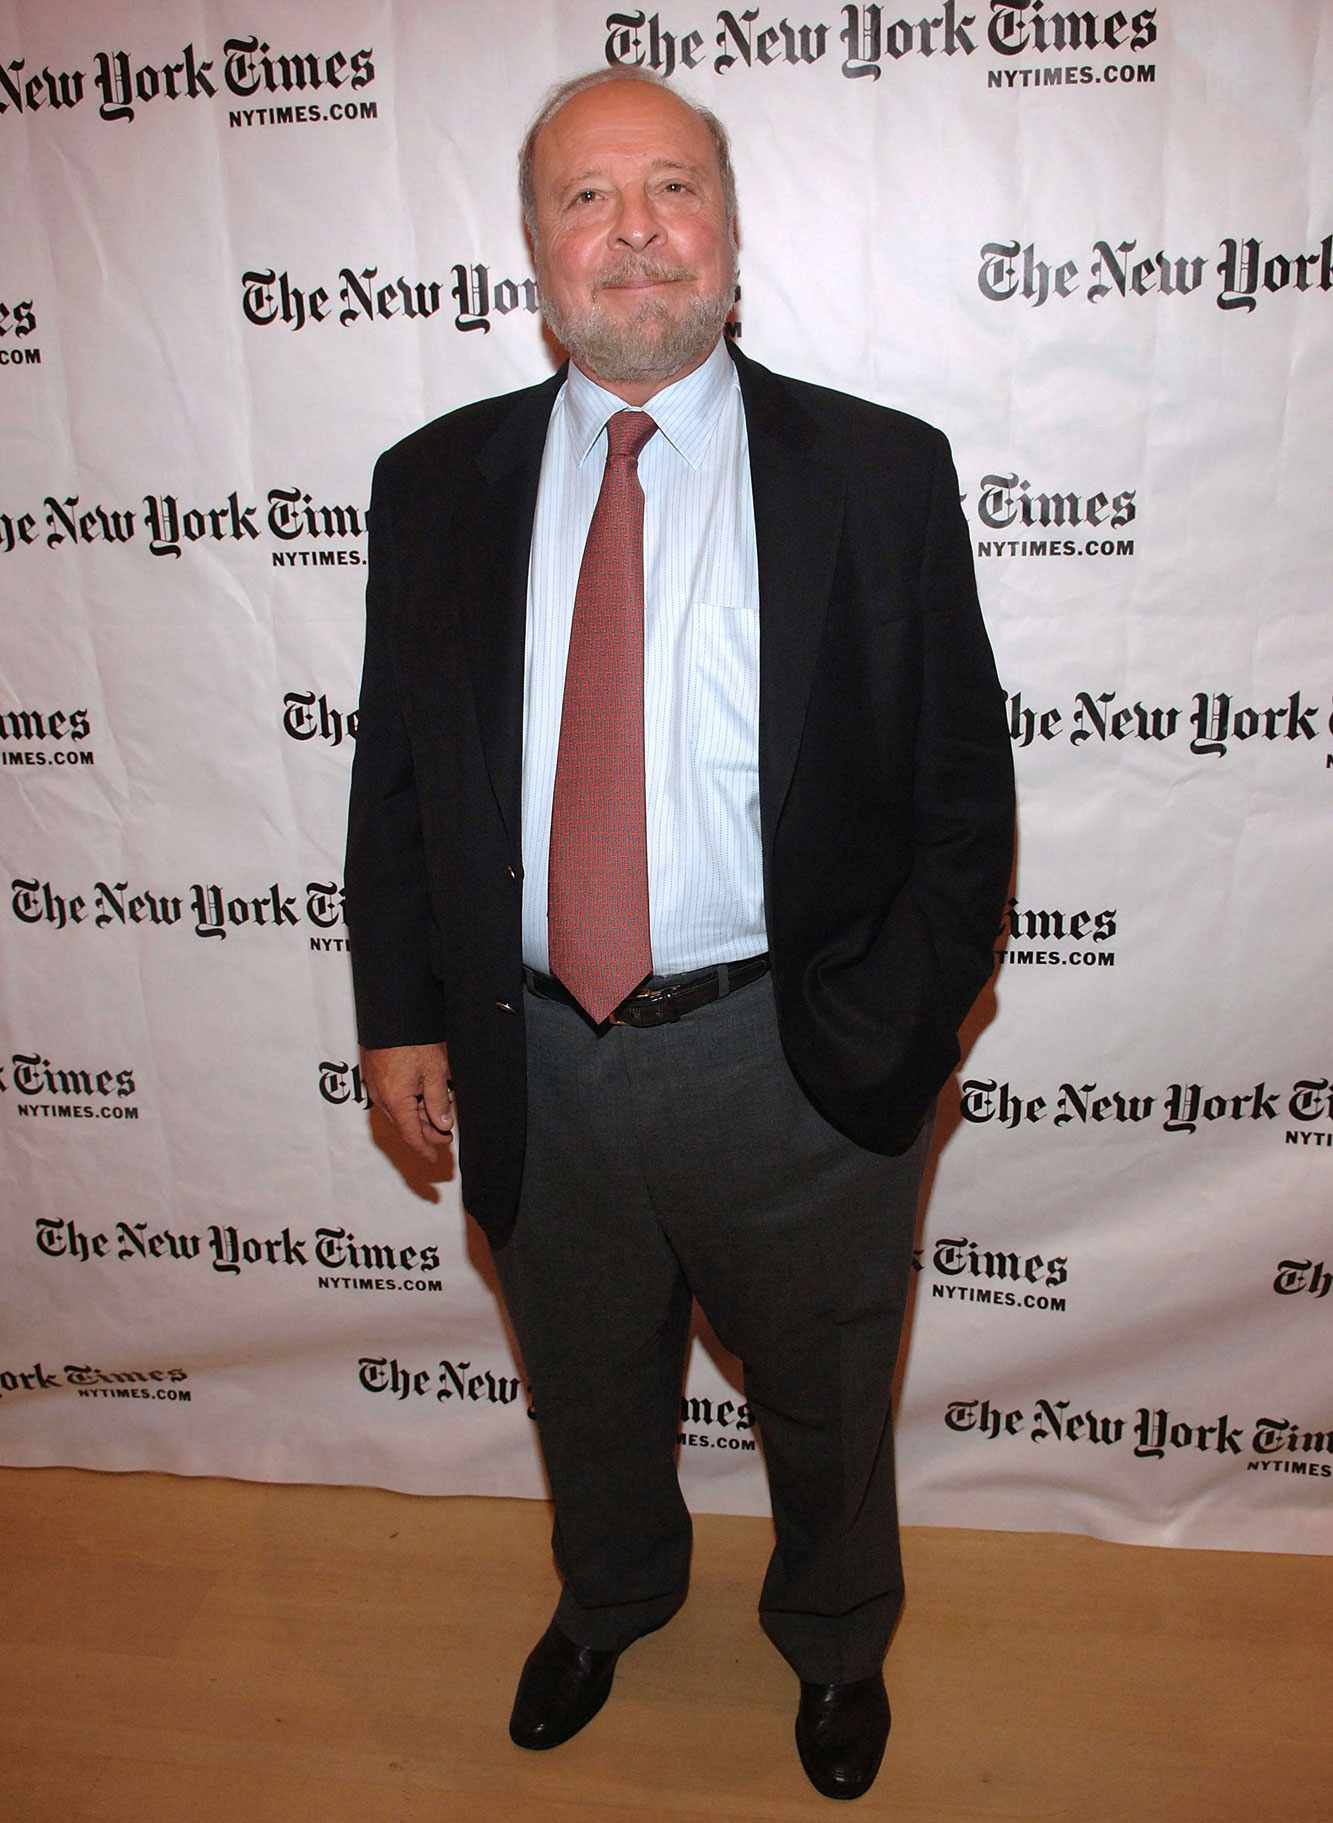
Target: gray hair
(566,91)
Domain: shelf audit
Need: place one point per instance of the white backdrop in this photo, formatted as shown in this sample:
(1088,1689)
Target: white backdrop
(246,249)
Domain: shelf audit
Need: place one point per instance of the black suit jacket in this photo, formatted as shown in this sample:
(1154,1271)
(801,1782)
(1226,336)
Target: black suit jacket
(885,772)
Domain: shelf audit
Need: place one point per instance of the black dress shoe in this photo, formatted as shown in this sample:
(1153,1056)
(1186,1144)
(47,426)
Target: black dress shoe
(562,1688)
(840,1734)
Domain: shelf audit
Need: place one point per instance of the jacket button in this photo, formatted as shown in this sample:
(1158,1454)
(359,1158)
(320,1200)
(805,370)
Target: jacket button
(512,874)
(504,1006)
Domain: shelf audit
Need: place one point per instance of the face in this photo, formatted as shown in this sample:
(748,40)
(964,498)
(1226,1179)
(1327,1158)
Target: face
(635,260)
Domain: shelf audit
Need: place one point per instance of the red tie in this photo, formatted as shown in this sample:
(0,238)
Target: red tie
(597,886)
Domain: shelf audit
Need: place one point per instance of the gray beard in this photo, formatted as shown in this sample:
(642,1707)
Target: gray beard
(650,344)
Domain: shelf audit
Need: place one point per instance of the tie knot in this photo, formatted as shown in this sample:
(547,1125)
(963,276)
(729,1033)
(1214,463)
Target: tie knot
(626,434)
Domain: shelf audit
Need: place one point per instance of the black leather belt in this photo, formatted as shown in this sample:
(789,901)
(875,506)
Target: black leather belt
(662,1002)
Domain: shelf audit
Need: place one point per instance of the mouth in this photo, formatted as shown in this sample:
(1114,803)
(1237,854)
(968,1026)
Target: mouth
(642,281)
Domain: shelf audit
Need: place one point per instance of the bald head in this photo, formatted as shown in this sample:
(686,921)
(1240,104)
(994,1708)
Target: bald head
(565,92)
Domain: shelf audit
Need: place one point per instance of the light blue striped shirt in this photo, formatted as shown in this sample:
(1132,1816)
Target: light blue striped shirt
(701,660)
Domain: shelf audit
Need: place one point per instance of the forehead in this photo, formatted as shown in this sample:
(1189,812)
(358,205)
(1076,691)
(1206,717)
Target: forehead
(619,123)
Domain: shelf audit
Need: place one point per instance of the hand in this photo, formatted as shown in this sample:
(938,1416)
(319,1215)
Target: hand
(411,1083)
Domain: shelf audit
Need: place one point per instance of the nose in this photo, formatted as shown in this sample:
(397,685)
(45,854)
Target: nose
(636,225)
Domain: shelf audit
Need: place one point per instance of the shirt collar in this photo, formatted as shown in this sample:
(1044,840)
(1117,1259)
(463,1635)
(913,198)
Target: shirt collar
(686,412)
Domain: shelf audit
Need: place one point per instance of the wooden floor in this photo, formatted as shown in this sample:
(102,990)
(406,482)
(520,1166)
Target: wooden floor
(177,1648)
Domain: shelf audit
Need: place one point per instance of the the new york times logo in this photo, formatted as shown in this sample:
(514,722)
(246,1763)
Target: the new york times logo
(1005,501)
(463,1384)
(1011,270)
(206,910)
(1152,1433)
(1213,723)
(35,737)
(1018,28)
(1013,1280)
(1182,1107)
(342,1086)
(48,1091)
(17,321)
(270,297)
(229,1250)
(307,717)
(1009,503)
(1025,923)
(34,1074)
(743,38)
(44,725)
(446,1382)
(1309,1276)
(97,1383)
(1024,927)
(123,84)
(167,525)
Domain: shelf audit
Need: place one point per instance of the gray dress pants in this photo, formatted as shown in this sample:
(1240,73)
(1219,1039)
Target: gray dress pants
(685,1160)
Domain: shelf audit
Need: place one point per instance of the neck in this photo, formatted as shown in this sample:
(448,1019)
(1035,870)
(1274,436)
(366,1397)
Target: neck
(638,392)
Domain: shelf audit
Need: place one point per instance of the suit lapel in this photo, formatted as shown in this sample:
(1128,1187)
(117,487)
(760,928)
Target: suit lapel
(798,508)
(491,545)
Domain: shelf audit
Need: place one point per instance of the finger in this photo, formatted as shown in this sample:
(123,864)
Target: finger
(437,1104)
(405,1114)
(431,1135)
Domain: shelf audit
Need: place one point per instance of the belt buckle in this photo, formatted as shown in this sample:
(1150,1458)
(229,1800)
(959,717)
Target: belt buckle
(654,1000)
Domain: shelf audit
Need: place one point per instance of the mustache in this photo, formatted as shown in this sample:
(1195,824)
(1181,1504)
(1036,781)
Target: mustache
(630,272)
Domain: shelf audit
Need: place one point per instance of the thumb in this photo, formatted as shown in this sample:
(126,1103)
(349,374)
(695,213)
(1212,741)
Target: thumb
(437,1102)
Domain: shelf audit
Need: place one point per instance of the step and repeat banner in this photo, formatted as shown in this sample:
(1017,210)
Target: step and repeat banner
(246,246)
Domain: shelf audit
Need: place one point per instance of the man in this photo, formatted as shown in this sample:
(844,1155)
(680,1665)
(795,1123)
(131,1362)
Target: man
(681,814)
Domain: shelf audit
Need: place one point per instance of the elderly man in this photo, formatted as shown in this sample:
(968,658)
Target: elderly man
(682,816)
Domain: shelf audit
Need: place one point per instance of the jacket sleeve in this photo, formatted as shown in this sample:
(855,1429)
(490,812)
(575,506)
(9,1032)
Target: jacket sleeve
(963,806)
(398,997)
